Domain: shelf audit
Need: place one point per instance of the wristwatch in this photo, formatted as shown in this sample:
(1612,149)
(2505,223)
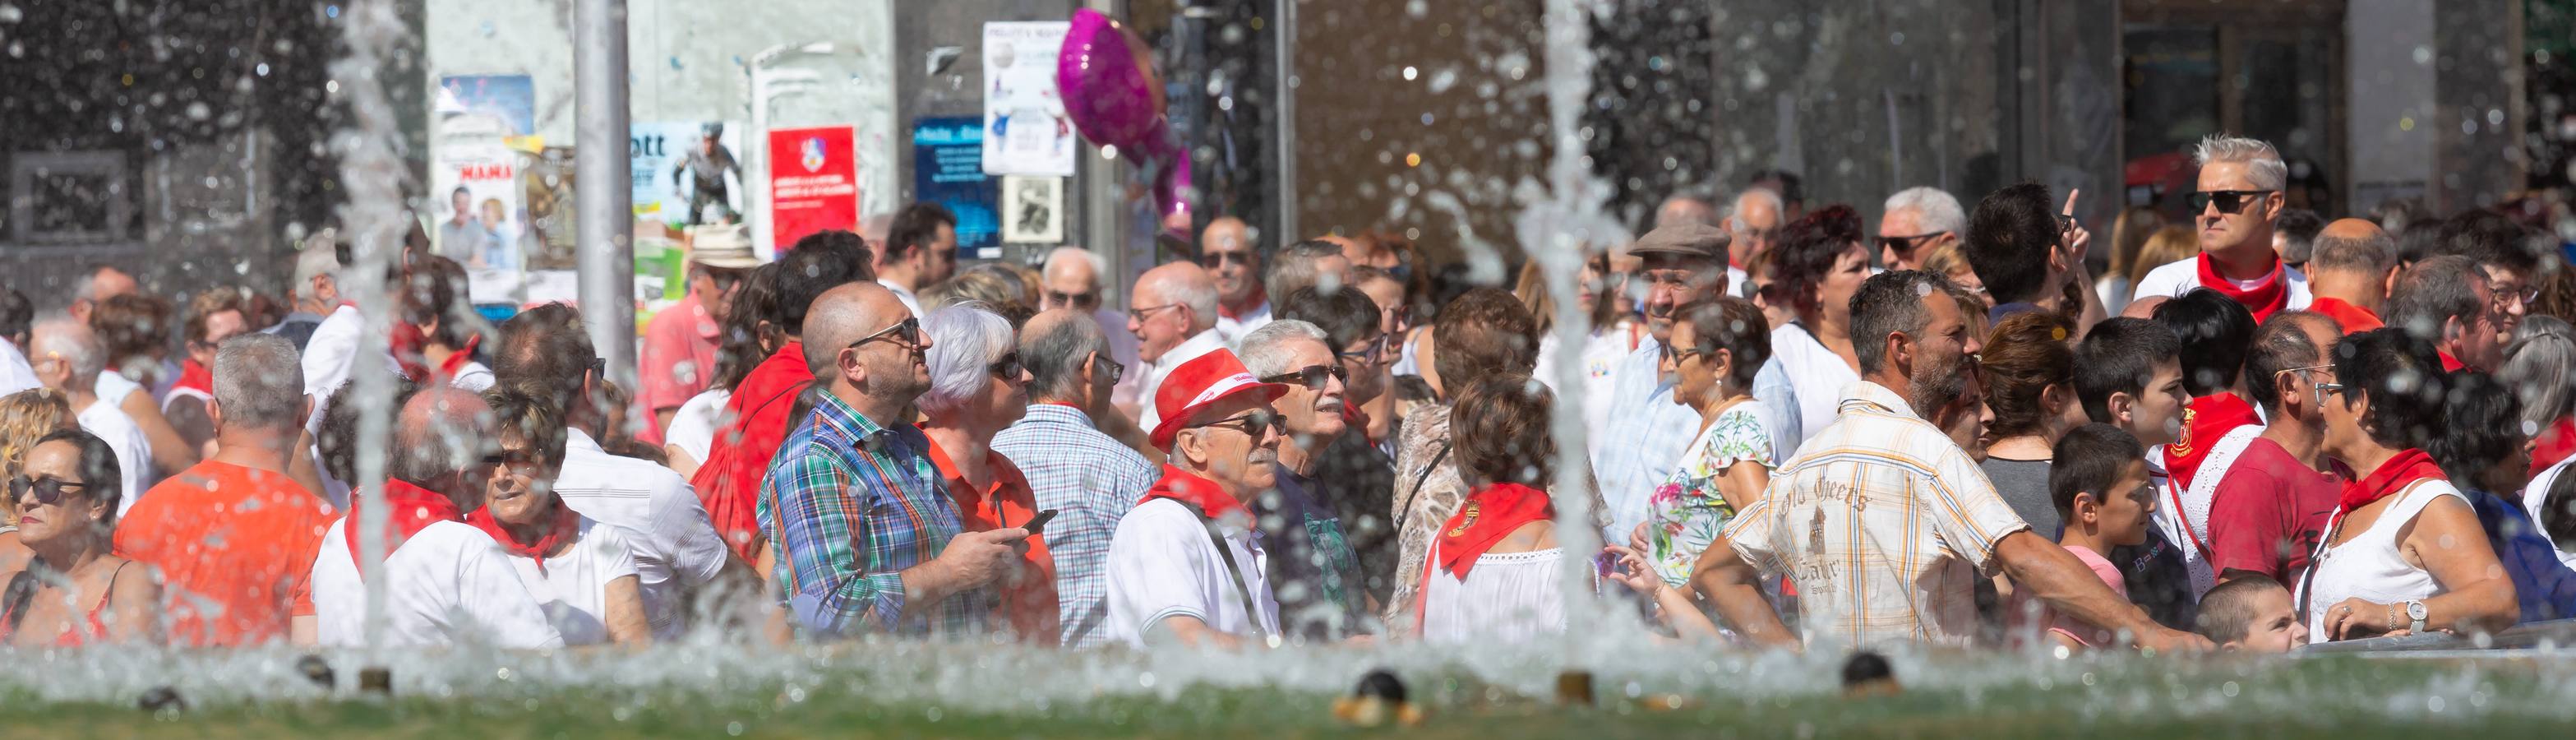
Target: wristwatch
(2415,610)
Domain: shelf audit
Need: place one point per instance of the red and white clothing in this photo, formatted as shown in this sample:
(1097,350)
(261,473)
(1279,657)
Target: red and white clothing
(2215,429)
(448,584)
(572,586)
(2283,289)
(678,358)
(1163,563)
(2371,564)
(2354,319)
(196,383)
(2268,513)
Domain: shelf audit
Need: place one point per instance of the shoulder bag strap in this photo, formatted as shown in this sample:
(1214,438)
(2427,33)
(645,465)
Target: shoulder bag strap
(1251,613)
(1405,512)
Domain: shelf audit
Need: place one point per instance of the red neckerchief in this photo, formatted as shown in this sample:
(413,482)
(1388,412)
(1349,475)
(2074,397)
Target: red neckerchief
(410,509)
(1200,493)
(729,482)
(2451,363)
(2354,319)
(1357,420)
(2272,295)
(1260,297)
(2392,476)
(2556,443)
(1488,515)
(448,368)
(2204,421)
(195,377)
(565,527)
(406,344)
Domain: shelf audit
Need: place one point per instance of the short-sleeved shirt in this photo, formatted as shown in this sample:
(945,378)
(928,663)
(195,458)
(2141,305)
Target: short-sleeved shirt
(1091,481)
(2269,512)
(1884,525)
(2024,485)
(1162,565)
(572,588)
(1688,510)
(676,547)
(2066,624)
(848,505)
(234,545)
(679,355)
(125,438)
(1650,435)
(449,584)
(1029,605)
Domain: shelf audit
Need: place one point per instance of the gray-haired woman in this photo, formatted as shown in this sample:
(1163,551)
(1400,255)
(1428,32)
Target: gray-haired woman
(977,388)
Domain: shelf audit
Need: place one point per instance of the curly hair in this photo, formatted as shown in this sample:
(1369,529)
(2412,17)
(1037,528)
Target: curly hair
(1808,249)
(27,416)
(1500,428)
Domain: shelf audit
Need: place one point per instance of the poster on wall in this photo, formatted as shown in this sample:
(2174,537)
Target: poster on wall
(1032,210)
(948,169)
(476,205)
(1026,131)
(510,99)
(813,182)
(668,160)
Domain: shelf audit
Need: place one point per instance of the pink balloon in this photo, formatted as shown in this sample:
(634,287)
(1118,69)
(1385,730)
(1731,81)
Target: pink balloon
(1109,95)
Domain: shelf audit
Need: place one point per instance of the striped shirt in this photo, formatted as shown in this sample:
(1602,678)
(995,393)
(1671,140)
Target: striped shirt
(1091,481)
(850,505)
(1883,523)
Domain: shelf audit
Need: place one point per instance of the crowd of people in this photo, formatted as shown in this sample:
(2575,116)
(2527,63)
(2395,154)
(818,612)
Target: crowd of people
(2253,431)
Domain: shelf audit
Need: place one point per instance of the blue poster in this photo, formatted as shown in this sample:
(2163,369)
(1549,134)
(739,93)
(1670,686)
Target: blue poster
(948,169)
(510,98)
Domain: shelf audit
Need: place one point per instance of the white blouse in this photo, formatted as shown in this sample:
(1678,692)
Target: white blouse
(572,588)
(1512,597)
(2370,564)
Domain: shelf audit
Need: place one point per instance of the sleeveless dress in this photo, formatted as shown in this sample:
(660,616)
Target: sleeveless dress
(9,615)
(1688,511)
(2370,565)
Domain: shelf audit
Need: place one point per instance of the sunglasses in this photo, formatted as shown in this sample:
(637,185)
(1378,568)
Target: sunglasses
(1904,246)
(2229,201)
(523,462)
(1086,300)
(1008,368)
(908,331)
(1256,425)
(1311,376)
(1213,260)
(1110,371)
(49,491)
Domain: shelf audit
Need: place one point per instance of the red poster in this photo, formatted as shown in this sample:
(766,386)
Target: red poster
(813,182)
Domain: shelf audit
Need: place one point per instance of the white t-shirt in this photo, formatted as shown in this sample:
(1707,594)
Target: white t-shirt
(693,427)
(910,301)
(674,542)
(1233,328)
(448,584)
(113,387)
(329,354)
(1161,565)
(15,374)
(2174,279)
(472,378)
(1507,598)
(573,587)
(133,452)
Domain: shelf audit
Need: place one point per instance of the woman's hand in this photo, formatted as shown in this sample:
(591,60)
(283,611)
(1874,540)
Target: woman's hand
(1634,573)
(2355,618)
(1637,539)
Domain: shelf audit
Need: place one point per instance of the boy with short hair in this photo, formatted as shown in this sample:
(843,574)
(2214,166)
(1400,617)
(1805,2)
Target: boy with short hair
(2128,374)
(2251,613)
(2099,482)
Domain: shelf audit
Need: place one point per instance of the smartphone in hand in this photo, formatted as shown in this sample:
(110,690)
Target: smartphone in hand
(1037,524)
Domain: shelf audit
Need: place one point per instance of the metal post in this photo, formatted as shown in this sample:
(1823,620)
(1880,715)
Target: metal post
(607,205)
(1284,120)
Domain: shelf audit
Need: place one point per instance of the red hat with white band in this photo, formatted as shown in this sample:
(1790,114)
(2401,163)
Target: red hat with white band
(1200,384)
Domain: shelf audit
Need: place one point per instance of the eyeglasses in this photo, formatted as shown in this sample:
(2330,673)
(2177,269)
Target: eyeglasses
(1677,355)
(48,490)
(1256,425)
(2229,201)
(1373,353)
(1142,315)
(908,331)
(599,365)
(1904,246)
(1311,376)
(1213,260)
(520,461)
(1008,368)
(1086,300)
(2326,389)
(2506,294)
(1110,371)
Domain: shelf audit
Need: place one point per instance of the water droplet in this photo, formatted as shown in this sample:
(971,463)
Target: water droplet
(1410,72)
(199,111)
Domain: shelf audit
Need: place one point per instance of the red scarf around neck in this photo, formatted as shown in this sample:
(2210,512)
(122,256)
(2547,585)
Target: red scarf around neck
(463,356)
(1199,493)
(728,483)
(2392,476)
(1485,518)
(1259,298)
(564,526)
(409,509)
(195,377)
(2271,296)
(2204,421)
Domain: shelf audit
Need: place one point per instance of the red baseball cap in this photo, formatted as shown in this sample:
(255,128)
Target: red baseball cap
(1199,384)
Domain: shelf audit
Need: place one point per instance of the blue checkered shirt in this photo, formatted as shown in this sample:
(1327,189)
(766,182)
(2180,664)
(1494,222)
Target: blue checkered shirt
(1645,440)
(1091,481)
(849,505)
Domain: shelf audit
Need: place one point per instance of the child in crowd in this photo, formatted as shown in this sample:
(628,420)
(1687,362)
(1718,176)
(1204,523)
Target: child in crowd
(2099,484)
(2128,374)
(2251,613)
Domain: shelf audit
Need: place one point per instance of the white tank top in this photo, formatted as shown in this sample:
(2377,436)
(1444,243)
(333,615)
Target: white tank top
(1510,598)
(2370,566)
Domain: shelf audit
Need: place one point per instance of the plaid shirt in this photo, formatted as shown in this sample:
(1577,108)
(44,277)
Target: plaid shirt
(1646,439)
(1091,481)
(850,505)
(1883,523)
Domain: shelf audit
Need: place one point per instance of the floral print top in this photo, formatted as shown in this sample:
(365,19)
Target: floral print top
(1687,511)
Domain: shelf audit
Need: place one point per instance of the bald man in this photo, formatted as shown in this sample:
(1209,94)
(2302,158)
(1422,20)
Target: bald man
(2352,265)
(1752,226)
(867,539)
(1234,261)
(1173,313)
(1072,281)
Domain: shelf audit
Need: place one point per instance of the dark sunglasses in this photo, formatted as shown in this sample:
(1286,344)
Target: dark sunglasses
(1904,246)
(48,490)
(1008,368)
(516,460)
(1256,425)
(907,330)
(1312,376)
(1087,300)
(1213,260)
(1110,371)
(2229,201)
